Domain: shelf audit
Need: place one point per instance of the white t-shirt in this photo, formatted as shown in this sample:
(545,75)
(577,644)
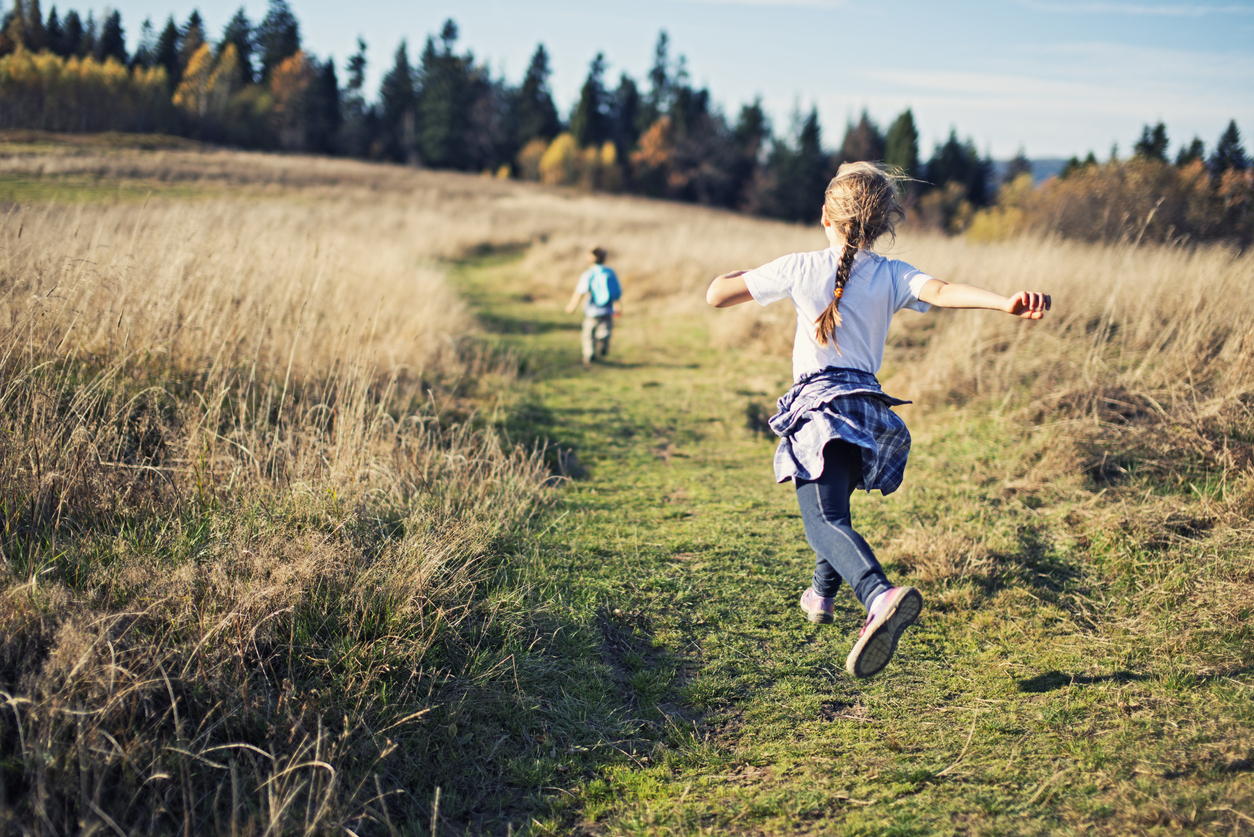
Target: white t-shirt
(877,289)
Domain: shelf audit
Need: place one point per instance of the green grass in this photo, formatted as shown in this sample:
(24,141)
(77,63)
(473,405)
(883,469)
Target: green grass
(19,142)
(1065,676)
(26,189)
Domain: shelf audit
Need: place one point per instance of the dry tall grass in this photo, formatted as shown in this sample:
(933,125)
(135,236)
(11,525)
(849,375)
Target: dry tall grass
(236,524)
(1145,361)
(235,520)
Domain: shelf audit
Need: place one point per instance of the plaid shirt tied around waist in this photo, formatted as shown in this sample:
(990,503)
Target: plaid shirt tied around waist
(845,404)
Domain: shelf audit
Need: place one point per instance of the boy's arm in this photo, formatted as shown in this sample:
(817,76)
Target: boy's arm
(728,289)
(1030,305)
(575,299)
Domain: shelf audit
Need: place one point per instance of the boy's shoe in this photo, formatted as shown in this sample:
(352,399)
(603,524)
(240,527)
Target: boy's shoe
(817,608)
(878,639)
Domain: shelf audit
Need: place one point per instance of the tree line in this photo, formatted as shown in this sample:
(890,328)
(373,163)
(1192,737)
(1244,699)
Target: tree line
(257,87)
(1149,197)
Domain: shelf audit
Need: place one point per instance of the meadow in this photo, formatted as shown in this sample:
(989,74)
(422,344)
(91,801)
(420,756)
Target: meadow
(312,522)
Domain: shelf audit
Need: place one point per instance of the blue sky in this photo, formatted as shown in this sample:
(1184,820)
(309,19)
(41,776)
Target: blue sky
(1057,77)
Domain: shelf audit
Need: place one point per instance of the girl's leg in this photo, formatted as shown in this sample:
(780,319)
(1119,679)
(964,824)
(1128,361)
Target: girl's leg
(841,552)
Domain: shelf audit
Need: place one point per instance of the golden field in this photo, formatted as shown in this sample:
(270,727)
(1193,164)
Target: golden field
(249,441)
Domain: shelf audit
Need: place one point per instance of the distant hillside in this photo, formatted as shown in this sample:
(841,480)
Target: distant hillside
(1041,169)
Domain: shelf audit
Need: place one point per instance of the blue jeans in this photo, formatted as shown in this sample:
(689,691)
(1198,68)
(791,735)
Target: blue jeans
(840,551)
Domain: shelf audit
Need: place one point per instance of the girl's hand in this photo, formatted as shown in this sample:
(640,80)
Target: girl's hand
(1029,305)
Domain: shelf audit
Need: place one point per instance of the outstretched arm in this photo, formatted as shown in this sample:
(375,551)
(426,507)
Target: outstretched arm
(1029,305)
(575,299)
(728,289)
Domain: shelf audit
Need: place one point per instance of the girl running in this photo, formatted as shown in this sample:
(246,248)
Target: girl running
(836,430)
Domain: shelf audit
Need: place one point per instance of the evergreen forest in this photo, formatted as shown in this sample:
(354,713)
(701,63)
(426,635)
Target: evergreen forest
(256,87)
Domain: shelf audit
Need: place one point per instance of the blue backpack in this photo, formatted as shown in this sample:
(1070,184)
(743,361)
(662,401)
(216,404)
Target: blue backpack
(603,286)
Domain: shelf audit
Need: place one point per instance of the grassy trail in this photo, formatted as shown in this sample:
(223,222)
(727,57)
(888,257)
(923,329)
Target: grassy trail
(672,686)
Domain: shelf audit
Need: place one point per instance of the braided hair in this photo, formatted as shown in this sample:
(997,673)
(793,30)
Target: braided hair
(861,205)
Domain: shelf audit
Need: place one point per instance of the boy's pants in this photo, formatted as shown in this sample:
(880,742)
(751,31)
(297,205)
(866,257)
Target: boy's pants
(596,336)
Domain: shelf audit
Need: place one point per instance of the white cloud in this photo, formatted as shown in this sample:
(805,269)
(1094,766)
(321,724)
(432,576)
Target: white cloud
(1058,98)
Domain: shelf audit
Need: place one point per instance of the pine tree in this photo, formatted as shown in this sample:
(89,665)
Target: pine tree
(753,130)
(87,46)
(355,117)
(1195,150)
(36,33)
(657,103)
(625,104)
(1019,164)
(1153,143)
(322,108)
(277,38)
(444,103)
(239,31)
(901,145)
(56,34)
(535,113)
(958,162)
(397,108)
(147,47)
(1228,152)
(112,41)
(166,53)
(750,137)
(71,34)
(863,142)
(355,66)
(800,174)
(690,109)
(191,38)
(588,123)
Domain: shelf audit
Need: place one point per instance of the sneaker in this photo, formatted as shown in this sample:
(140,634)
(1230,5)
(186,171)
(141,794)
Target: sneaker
(817,608)
(877,641)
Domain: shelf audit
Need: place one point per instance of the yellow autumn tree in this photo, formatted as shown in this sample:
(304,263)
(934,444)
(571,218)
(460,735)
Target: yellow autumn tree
(560,164)
(529,159)
(225,80)
(289,85)
(192,95)
(653,161)
(46,92)
(564,163)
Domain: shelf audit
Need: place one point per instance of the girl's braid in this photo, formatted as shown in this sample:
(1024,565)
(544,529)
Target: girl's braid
(825,328)
(860,203)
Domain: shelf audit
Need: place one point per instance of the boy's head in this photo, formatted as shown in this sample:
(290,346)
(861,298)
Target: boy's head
(597,255)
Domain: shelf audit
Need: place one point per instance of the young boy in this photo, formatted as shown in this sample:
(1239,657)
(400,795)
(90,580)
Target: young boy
(600,293)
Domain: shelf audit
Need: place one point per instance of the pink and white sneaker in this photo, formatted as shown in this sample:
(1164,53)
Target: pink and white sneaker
(817,608)
(891,613)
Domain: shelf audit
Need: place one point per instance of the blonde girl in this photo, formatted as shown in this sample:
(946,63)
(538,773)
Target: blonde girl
(837,431)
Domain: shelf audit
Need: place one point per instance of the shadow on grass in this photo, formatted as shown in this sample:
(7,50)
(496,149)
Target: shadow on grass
(503,324)
(1036,565)
(1051,680)
(543,705)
